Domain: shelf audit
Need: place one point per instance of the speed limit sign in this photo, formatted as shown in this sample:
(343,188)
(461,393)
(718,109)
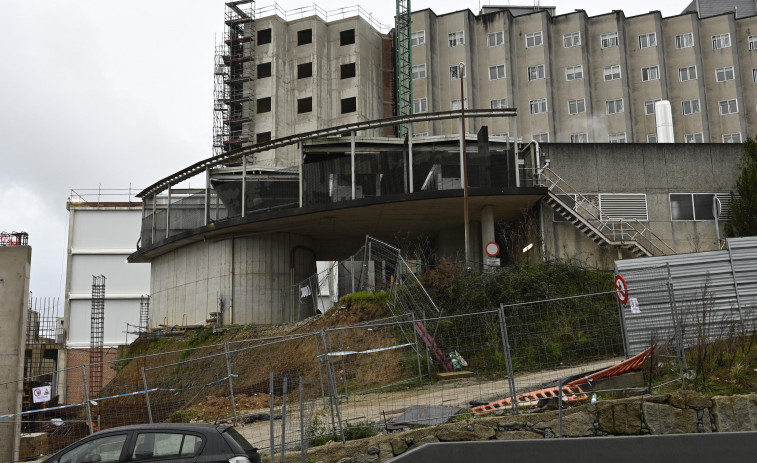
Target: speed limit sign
(621,289)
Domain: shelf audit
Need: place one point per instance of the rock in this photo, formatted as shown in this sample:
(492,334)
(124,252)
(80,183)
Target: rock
(364,458)
(548,434)
(657,398)
(512,426)
(477,432)
(689,399)
(620,417)
(663,419)
(373,450)
(344,460)
(734,413)
(398,445)
(385,452)
(427,440)
(518,435)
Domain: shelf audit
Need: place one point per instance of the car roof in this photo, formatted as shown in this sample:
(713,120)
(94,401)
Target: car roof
(174,426)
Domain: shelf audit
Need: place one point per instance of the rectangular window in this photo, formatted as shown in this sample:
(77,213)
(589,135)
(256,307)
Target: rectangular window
(685,40)
(304,36)
(419,71)
(753,42)
(571,40)
(347,37)
(496,38)
(417,38)
(732,138)
(694,137)
(263,105)
(687,73)
(649,106)
(454,72)
(614,106)
(612,72)
(497,72)
(728,107)
(420,105)
(499,104)
(609,40)
(576,106)
(454,105)
(651,138)
(541,137)
(648,40)
(304,105)
(347,70)
(574,72)
(456,38)
(263,137)
(349,105)
(754,75)
(650,73)
(264,36)
(264,70)
(538,106)
(721,41)
(420,134)
(535,72)
(613,206)
(304,70)
(691,206)
(617,137)
(582,137)
(534,39)
(690,107)
(723,74)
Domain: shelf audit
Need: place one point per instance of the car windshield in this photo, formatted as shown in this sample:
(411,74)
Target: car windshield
(239,439)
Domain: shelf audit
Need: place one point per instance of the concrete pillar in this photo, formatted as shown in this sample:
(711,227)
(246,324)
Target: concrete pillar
(487,227)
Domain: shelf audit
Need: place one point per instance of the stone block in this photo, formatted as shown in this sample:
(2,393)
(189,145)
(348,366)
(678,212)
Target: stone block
(620,417)
(398,445)
(455,434)
(365,458)
(689,399)
(664,419)
(385,452)
(518,435)
(454,375)
(735,413)
(33,445)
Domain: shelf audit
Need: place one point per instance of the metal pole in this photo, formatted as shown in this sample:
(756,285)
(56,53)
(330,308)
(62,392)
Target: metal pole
(344,367)
(147,396)
(677,328)
(332,386)
(508,358)
(352,162)
(86,398)
(328,377)
(168,214)
(283,418)
(735,283)
(154,214)
(464,159)
(320,368)
(559,407)
(231,383)
(303,437)
(207,195)
(302,160)
(272,440)
(417,348)
(244,185)
(410,158)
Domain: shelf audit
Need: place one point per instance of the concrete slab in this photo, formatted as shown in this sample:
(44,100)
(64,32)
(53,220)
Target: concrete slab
(426,415)
(454,375)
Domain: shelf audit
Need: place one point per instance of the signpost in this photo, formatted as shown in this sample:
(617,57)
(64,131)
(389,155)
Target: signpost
(621,289)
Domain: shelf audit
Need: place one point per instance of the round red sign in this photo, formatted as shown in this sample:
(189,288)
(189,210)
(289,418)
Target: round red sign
(621,289)
(492,249)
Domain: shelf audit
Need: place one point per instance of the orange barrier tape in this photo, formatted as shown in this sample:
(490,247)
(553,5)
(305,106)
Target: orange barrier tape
(529,399)
(634,363)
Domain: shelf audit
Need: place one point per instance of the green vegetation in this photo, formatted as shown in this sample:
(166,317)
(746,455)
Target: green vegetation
(743,210)
(182,416)
(361,430)
(365,298)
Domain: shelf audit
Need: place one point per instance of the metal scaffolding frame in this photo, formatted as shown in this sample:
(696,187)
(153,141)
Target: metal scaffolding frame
(97,331)
(403,52)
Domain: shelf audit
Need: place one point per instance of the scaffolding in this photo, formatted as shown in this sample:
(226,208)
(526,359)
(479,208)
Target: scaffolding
(96,337)
(14,239)
(404,81)
(234,71)
(144,313)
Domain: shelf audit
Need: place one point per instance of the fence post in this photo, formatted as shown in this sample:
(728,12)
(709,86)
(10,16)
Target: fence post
(417,349)
(270,420)
(344,366)
(303,437)
(333,395)
(320,364)
(283,418)
(559,408)
(508,358)
(231,383)
(147,396)
(86,398)
(677,328)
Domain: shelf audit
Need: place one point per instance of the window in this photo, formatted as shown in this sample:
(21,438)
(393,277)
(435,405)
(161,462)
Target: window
(723,74)
(753,42)
(304,70)
(538,106)
(419,71)
(165,445)
(264,105)
(649,106)
(347,70)
(264,36)
(535,72)
(690,107)
(613,206)
(455,104)
(541,137)
(499,104)
(728,107)
(754,75)
(694,137)
(349,105)
(651,138)
(263,137)
(108,449)
(304,36)
(685,40)
(534,39)
(574,72)
(579,137)
(454,72)
(304,105)
(612,72)
(691,206)
(571,40)
(420,105)
(497,72)
(650,73)
(420,134)
(609,40)
(417,38)
(496,38)
(456,38)
(347,37)
(731,138)
(617,137)
(687,73)
(614,106)
(264,70)
(721,41)
(576,106)
(648,40)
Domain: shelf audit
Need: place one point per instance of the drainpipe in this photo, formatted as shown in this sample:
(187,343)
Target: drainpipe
(231,283)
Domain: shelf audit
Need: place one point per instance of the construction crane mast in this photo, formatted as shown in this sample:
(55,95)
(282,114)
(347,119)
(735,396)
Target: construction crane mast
(404,63)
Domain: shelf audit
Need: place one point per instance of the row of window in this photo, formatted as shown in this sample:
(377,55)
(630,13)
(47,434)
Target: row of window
(583,137)
(617,206)
(305,105)
(305,36)
(305,70)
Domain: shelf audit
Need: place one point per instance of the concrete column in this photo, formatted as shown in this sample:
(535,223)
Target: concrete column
(487,227)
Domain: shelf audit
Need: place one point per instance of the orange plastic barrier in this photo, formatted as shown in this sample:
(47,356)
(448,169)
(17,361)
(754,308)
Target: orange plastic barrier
(634,363)
(529,399)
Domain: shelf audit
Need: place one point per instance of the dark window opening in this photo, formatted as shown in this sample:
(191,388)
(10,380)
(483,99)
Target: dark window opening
(264,70)
(264,36)
(304,105)
(264,105)
(263,137)
(304,36)
(304,70)
(349,105)
(347,71)
(347,37)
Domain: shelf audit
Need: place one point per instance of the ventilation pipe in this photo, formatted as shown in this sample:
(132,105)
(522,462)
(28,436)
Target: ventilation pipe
(664,120)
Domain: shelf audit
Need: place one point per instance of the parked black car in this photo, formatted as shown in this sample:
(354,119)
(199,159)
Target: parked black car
(164,442)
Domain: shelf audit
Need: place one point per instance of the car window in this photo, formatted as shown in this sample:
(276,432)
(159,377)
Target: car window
(158,445)
(103,450)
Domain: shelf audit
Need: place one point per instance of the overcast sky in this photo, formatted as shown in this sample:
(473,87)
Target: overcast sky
(98,93)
